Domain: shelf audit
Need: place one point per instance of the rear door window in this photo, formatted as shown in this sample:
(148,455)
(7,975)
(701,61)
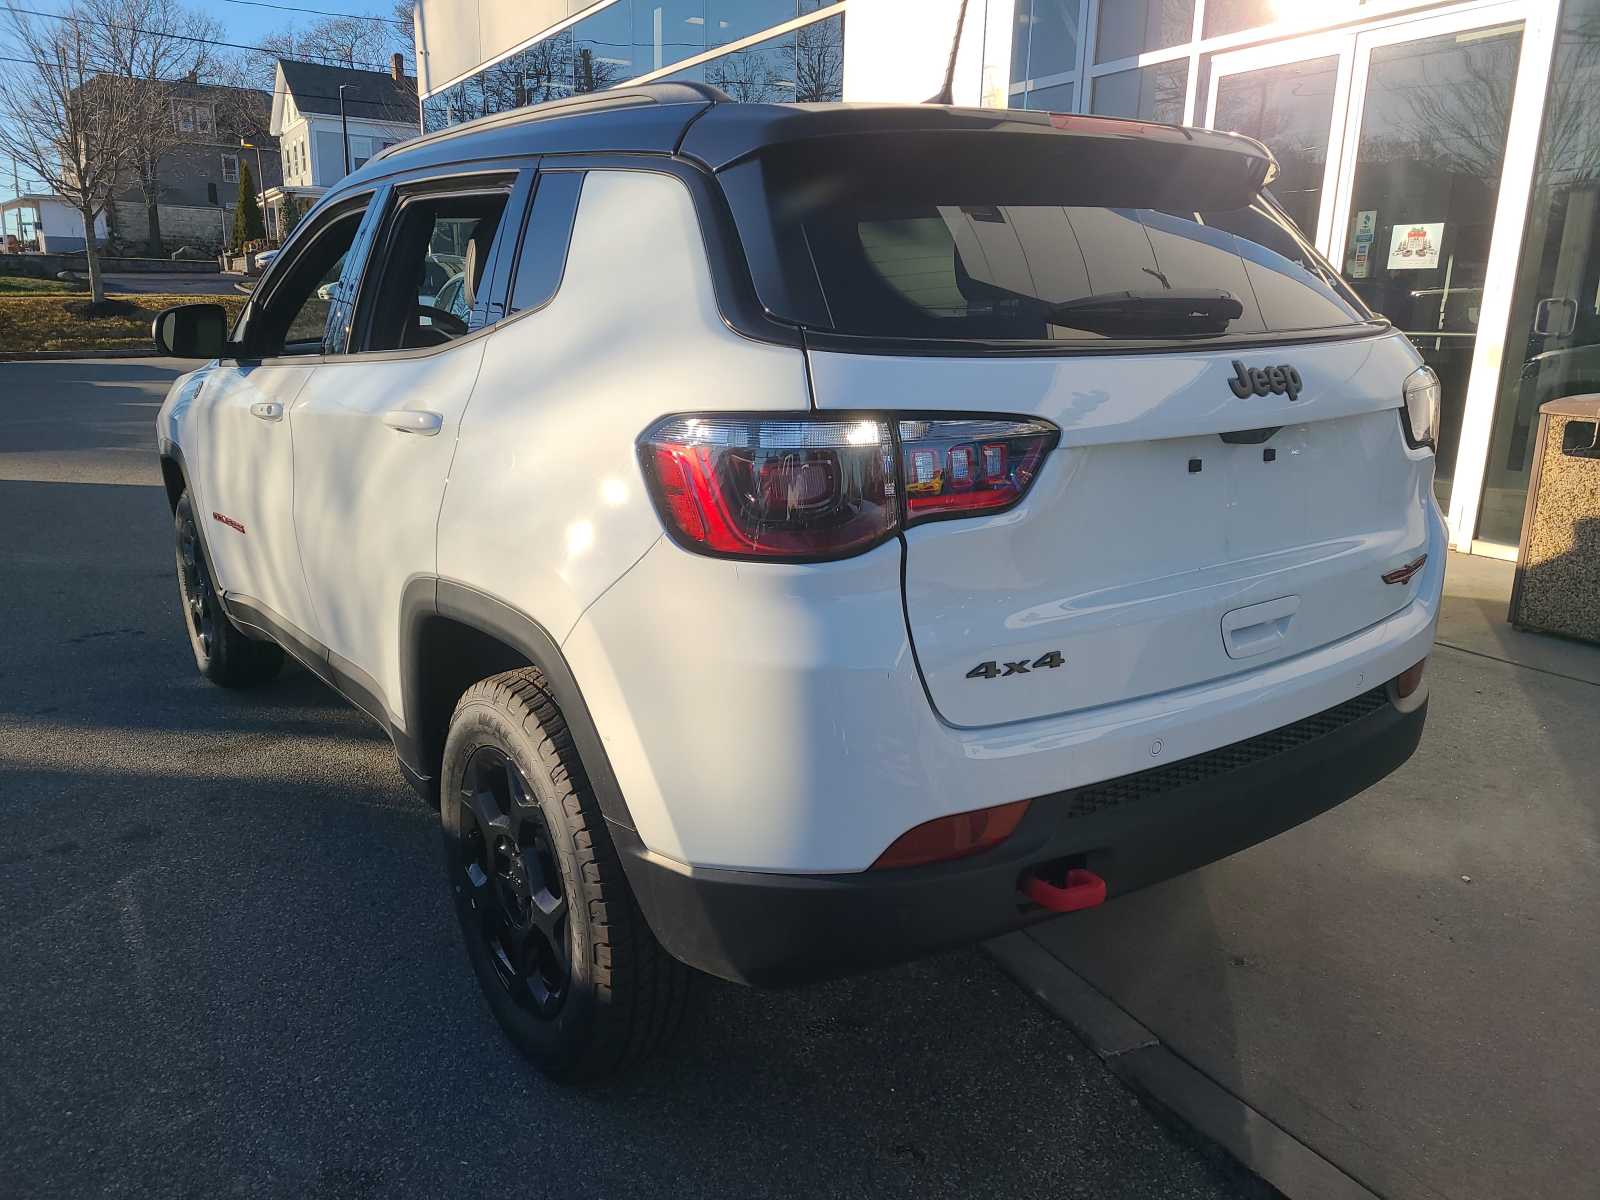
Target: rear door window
(1017,241)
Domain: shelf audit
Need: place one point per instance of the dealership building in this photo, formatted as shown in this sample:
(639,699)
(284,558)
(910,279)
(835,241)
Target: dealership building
(1446,156)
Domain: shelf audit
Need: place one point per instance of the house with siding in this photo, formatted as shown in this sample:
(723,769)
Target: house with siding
(379,109)
(198,177)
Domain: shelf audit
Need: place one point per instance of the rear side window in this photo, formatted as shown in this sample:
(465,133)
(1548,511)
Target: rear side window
(1027,239)
(543,258)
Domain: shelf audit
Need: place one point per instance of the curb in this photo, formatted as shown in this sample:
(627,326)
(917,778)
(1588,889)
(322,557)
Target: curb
(1224,1125)
(53,355)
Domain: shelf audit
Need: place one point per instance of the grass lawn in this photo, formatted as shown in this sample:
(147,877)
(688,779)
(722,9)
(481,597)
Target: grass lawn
(27,285)
(36,322)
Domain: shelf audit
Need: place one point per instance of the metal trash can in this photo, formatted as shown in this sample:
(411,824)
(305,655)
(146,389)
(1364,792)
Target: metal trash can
(1557,586)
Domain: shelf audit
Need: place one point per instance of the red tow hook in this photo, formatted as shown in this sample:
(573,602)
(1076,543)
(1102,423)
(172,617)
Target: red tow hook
(1084,889)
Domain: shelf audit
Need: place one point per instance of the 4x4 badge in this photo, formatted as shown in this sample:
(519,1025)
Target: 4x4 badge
(999,670)
(1261,381)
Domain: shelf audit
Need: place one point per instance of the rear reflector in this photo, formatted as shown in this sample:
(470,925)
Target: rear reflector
(956,836)
(1408,681)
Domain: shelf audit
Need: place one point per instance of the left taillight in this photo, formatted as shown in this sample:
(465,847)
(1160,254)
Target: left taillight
(815,488)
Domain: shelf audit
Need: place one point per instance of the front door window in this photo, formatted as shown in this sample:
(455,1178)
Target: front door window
(1422,205)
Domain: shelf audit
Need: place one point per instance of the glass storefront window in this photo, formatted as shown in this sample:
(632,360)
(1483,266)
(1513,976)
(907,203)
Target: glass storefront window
(1230,16)
(1049,99)
(1290,108)
(805,65)
(1422,206)
(1150,93)
(1129,27)
(1553,339)
(1045,38)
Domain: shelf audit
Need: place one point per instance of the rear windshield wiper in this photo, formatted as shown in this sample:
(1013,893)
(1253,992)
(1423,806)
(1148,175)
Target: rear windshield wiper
(1178,313)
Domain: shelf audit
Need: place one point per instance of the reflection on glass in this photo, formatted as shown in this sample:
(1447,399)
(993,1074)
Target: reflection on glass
(1290,108)
(1553,340)
(1149,93)
(1044,39)
(1433,137)
(1128,27)
(1230,16)
(635,37)
(1049,99)
(804,65)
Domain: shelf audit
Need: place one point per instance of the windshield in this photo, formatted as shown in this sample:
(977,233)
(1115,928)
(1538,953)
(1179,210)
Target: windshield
(1032,248)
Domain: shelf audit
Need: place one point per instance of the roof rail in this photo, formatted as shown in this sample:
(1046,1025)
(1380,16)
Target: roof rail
(621,97)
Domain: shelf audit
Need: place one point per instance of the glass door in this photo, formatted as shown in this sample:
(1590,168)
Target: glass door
(1553,339)
(1292,96)
(1421,186)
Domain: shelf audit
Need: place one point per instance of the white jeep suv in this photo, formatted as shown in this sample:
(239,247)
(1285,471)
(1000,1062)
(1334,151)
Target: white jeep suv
(832,533)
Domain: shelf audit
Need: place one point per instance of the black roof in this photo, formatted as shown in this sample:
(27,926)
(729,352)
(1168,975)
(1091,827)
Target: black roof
(373,95)
(700,122)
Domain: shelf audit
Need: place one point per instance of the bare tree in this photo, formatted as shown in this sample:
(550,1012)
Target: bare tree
(819,62)
(75,138)
(159,45)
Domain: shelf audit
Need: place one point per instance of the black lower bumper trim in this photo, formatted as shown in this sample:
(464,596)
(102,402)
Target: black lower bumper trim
(774,929)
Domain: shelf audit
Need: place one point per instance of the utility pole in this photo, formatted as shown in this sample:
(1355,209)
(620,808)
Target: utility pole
(345,126)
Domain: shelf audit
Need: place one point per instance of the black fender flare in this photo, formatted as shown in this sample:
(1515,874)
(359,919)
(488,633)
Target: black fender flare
(428,598)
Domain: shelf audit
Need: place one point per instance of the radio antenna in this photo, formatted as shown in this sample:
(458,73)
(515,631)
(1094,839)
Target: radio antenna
(946,94)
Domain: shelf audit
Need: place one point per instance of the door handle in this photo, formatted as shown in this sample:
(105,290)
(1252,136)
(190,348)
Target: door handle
(414,420)
(267,410)
(1555,316)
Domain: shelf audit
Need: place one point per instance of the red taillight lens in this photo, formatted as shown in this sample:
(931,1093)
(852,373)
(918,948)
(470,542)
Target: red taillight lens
(758,488)
(954,836)
(970,466)
(828,487)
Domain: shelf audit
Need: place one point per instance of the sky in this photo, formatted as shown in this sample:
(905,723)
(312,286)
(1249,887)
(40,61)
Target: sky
(245,22)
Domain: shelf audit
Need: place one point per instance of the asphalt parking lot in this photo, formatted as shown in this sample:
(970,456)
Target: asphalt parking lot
(228,966)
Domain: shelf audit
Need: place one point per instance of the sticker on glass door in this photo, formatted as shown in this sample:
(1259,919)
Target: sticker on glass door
(1414,246)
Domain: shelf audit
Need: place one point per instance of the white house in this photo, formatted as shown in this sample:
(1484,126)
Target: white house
(47,223)
(378,109)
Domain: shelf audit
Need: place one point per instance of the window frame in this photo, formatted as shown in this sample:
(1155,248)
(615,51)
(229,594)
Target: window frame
(514,268)
(514,178)
(369,200)
(226,158)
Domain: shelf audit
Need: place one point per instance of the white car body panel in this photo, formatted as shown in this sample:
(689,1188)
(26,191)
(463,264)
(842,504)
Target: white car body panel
(546,507)
(367,496)
(1133,565)
(244,472)
(771,718)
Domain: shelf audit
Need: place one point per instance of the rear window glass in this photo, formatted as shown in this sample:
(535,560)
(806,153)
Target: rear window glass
(1023,247)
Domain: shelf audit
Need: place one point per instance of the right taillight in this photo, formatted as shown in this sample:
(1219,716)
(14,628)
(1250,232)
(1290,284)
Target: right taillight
(822,487)
(963,467)
(1421,392)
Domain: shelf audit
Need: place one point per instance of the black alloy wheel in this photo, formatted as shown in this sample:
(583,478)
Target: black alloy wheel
(200,604)
(508,874)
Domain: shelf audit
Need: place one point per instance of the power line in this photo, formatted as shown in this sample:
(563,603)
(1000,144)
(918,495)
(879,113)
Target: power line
(177,37)
(320,12)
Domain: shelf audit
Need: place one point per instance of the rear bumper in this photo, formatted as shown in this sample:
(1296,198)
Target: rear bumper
(771,929)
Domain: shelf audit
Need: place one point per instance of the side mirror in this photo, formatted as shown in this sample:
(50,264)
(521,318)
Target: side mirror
(191,331)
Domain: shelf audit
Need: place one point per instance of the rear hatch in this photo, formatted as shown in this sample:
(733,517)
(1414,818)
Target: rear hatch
(1233,477)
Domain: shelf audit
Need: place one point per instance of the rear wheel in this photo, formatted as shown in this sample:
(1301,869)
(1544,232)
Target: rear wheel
(561,950)
(223,655)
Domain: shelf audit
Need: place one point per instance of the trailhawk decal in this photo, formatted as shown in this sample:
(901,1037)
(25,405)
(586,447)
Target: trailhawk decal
(1000,670)
(228,521)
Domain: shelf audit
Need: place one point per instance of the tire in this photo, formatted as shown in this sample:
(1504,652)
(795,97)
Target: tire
(223,655)
(562,952)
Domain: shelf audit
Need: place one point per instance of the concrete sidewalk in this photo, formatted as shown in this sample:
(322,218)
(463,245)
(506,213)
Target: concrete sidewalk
(1402,996)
